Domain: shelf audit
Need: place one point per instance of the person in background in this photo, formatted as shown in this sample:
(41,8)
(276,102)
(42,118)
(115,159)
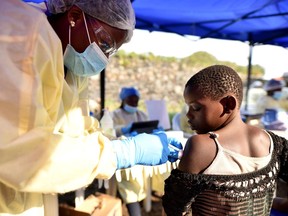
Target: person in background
(132,188)
(273,97)
(228,167)
(272,106)
(49,143)
(128,112)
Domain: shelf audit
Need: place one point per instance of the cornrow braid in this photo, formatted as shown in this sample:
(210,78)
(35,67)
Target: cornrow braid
(216,81)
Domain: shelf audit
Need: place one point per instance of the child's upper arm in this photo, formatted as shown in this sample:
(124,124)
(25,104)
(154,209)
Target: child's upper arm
(199,152)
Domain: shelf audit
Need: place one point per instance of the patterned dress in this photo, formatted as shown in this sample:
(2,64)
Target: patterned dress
(249,193)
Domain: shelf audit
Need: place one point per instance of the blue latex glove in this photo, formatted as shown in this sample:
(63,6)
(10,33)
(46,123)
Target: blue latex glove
(175,146)
(133,133)
(158,129)
(176,149)
(126,129)
(144,149)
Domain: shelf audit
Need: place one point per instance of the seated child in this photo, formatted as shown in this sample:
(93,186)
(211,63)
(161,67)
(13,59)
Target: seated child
(228,167)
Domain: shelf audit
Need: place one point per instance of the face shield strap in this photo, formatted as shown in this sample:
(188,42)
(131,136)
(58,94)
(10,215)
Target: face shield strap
(86,27)
(69,31)
(69,35)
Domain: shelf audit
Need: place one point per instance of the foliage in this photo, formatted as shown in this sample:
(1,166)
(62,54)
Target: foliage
(198,60)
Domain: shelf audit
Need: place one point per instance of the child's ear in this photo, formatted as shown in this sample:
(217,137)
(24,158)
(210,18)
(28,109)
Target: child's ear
(229,103)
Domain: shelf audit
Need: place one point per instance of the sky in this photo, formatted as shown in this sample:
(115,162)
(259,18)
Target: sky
(273,59)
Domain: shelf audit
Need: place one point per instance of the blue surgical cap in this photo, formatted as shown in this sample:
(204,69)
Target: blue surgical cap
(128,91)
(273,85)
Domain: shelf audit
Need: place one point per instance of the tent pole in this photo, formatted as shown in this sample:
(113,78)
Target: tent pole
(102,91)
(249,75)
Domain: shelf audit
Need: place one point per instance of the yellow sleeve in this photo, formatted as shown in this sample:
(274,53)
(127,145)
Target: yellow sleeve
(34,156)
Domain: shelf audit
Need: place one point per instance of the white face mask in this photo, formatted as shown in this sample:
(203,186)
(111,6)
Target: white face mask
(277,95)
(91,62)
(130,109)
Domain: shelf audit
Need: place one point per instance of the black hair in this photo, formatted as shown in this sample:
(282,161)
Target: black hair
(216,81)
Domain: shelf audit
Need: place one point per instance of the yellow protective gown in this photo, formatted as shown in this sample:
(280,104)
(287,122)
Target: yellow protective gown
(47,145)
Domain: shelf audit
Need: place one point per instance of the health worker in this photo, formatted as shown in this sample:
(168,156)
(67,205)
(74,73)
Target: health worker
(128,111)
(49,143)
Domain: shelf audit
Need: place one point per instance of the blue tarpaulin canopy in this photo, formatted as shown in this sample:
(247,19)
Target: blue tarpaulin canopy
(256,21)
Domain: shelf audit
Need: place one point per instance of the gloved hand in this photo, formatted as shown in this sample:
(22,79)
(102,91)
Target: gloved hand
(158,129)
(176,149)
(144,149)
(126,129)
(133,133)
(175,146)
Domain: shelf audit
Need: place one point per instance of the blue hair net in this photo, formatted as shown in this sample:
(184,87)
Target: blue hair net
(116,13)
(273,85)
(128,91)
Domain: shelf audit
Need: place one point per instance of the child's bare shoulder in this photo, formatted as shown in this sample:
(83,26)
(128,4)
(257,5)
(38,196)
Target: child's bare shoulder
(199,151)
(256,132)
(259,141)
(198,143)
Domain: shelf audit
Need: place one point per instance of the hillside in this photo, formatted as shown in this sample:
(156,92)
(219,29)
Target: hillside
(156,77)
